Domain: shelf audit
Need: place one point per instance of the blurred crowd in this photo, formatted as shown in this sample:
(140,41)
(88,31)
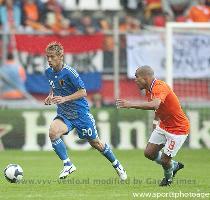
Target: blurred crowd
(87,17)
(53,15)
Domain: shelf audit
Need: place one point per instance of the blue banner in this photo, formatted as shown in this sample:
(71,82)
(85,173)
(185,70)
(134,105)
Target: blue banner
(38,83)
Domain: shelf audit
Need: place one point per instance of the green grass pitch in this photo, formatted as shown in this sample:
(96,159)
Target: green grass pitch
(95,179)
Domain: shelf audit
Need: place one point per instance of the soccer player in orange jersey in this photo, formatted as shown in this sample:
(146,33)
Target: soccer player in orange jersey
(171,126)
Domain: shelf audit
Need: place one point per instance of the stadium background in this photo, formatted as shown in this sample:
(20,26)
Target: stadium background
(105,44)
(105,41)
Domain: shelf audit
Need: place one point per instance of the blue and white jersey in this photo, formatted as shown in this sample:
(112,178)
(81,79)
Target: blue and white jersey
(66,82)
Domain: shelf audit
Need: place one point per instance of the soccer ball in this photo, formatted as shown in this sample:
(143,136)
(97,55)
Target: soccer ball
(13,173)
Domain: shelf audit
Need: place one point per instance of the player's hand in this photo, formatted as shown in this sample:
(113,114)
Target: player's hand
(121,103)
(58,99)
(48,100)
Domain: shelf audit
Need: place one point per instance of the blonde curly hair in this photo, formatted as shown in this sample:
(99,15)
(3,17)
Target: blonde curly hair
(55,47)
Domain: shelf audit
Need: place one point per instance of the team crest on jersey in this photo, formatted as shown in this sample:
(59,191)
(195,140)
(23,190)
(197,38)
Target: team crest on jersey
(61,82)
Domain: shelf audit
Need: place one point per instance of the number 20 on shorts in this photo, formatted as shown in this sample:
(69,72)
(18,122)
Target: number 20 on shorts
(87,132)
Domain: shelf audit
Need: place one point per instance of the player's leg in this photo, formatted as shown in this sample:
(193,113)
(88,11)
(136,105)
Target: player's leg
(172,146)
(168,170)
(152,152)
(86,129)
(153,149)
(57,129)
(107,152)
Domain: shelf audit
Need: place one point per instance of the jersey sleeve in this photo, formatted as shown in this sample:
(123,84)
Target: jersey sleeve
(160,92)
(75,79)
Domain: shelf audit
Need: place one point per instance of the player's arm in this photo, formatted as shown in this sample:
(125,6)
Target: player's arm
(77,95)
(151,105)
(48,100)
(155,121)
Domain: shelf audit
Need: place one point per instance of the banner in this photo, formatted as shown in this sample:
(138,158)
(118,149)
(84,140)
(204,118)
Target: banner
(38,83)
(191,58)
(36,44)
(28,129)
(83,52)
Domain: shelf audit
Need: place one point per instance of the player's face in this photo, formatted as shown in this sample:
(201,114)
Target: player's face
(140,81)
(54,59)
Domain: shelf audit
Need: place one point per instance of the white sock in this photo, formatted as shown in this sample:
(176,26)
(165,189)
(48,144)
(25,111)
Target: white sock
(66,160)
(158,159)
(115,162)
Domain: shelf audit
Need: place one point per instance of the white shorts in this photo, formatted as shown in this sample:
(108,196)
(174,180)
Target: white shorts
(172,142)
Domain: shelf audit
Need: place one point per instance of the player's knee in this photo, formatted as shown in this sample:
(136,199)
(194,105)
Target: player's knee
(100,147)
(97,145)
(53,133)
(149,155)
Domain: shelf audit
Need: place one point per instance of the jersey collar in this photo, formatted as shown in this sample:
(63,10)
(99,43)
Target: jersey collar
(60,69)
(152,84)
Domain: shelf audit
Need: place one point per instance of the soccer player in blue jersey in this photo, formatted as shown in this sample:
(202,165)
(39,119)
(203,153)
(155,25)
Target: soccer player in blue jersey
(68,92)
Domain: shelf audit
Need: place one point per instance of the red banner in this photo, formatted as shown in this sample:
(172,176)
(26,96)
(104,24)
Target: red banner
(36,44)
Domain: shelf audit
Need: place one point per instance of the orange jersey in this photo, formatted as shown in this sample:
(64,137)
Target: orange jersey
(170,113)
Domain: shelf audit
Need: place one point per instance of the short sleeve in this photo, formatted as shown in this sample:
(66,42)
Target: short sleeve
(160,91)
(75,79)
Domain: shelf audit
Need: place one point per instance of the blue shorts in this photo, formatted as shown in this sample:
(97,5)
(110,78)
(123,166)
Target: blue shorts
(85,126)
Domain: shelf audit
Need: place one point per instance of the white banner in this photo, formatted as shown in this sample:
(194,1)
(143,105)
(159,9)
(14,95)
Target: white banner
(191,54)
